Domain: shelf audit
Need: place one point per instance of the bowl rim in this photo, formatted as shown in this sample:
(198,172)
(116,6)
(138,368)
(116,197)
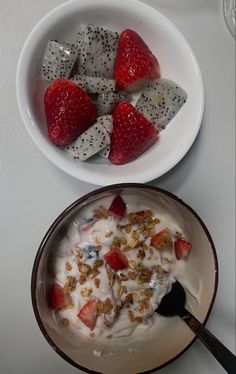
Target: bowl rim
(70,209)
(47,149)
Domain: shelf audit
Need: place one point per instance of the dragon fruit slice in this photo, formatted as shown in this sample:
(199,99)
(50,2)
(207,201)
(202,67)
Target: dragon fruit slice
(97,51)
(94,84)
(96,138)
(160,102)
(107,101)
(58,60)
(104,153)
(107,122)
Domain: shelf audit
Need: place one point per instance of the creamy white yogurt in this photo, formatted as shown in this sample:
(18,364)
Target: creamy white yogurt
(85,234)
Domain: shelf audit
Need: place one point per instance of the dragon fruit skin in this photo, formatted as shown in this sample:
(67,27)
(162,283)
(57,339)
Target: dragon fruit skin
(160,101)
(97,51)
(92,141)
(107,101)
(58,60)
(94,85)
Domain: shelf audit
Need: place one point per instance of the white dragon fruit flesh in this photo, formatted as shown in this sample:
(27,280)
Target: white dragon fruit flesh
(107,122)
(160,102)
(95,85)
(92,141)
(107,101)
(104,153)
(58,60)
(97,51)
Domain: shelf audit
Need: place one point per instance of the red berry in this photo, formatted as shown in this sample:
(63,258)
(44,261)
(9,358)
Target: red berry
(162,240)
(118,207)
(88,314)
(132,134)
(116,259)
(69,111)
(135,64)
(182,248)
(57,299)
(140,213)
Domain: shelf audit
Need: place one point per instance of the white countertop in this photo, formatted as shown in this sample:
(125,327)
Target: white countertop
(33,192)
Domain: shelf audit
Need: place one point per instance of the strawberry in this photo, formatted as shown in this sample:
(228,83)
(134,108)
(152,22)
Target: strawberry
(69,111)
(118,207)
(116,259)
(57,299)
(132,134)
(140,213)
(162,240)
(86,228)
(135,64)
(88,314)
(182,248)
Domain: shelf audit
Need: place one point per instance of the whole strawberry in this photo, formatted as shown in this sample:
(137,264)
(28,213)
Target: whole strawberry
(69,111)
(132,134)
(135,64)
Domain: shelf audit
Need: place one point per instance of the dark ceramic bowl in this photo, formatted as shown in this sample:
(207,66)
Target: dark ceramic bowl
(159,346)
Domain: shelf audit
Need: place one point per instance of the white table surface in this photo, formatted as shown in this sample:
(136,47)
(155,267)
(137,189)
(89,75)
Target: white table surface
(33,192)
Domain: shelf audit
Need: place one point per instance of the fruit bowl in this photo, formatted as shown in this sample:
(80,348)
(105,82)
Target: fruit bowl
(165,41)
(165,341)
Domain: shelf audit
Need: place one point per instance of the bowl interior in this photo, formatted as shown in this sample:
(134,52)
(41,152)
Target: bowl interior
(170,336)
(176,60)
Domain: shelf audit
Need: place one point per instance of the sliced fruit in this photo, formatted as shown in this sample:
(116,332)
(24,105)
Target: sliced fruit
(116,259)
(69,111)
(118,206)
(57,298)
(58,60)
(140,213)
(160,101)
(88,314)
(92,141)
(182,248)
(107,101)
(135,64)
(97,51)
(94,85)
(162,240)
(132,134)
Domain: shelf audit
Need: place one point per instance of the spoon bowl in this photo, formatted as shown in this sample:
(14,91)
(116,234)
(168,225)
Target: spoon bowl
(173,304)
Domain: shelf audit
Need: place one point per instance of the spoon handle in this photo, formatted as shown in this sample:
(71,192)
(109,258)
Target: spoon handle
(221,353)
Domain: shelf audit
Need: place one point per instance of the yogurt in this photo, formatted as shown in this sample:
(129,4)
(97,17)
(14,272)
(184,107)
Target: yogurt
(126,298)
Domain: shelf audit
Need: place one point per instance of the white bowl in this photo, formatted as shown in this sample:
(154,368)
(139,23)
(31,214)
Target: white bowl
(177,62)
(166,340)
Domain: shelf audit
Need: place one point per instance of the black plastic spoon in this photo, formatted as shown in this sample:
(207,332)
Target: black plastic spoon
(173,304)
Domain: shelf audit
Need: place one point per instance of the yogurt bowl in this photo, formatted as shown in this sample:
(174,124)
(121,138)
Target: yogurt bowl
(124,345)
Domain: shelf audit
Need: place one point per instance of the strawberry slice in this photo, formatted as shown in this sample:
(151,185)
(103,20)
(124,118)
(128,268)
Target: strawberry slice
(162,239)
(135,64)
(182,248)
(69,111)
(88,314)
(132,134)
(57,298)
(116,259)
(86,227)
(140,213)
(118,207)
